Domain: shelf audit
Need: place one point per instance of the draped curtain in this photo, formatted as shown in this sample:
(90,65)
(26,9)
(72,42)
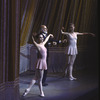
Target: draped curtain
(9,49)
(55,14)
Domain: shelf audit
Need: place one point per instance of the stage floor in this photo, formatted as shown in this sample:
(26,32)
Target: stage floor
(59,88)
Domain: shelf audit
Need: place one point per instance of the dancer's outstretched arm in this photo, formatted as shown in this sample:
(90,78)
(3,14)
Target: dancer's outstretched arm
(85,33)
(36,44)
(47,38)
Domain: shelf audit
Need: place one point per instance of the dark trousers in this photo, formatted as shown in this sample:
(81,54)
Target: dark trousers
(44,76)
(45,72)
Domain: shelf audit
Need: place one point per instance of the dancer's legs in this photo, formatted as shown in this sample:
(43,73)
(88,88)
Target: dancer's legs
(37,76)
(32,83)
(40,82)
(66,67)
(71,60)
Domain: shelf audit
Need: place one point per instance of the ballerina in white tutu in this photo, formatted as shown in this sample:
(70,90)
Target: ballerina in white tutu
(71,49)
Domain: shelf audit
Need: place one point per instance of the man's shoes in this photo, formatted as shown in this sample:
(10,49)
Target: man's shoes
(44,84)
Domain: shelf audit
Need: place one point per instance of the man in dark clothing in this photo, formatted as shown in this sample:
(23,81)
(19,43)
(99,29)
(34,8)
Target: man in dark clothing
(44,32)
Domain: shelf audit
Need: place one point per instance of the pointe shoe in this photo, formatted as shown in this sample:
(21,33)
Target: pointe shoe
(72,78)
(42,95)
(26,92)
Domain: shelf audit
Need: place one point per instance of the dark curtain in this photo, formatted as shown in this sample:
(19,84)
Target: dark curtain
(9,49)
(55,14)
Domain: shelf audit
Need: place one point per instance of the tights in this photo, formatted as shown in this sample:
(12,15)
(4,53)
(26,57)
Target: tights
(70,62)
(38,76)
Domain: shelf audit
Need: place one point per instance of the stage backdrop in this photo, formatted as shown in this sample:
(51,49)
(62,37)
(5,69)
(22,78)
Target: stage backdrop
(55,14)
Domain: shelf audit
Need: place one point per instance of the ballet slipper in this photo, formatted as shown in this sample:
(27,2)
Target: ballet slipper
(72,78)
(26,92)
(42,95)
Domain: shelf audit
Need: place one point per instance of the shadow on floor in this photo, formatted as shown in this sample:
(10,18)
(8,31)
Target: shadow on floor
(59,88)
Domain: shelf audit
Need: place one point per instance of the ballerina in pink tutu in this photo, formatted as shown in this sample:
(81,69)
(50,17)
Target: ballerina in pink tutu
(41,64)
